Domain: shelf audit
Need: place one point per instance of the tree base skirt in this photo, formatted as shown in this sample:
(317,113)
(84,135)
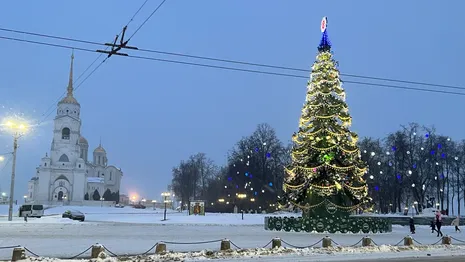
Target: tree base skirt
(333,224)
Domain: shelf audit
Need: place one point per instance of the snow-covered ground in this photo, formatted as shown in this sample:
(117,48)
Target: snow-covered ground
(134,231)
(139,216)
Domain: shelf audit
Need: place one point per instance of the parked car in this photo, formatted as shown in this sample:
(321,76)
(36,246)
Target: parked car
(74,215)
(31,211)
(139,206)
(119,205)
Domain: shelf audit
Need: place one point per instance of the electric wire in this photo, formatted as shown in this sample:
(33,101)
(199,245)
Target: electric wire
(52,106)
(240,69)
(147,19)
(236,61)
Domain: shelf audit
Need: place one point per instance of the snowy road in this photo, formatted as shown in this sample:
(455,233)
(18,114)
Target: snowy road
(66,240)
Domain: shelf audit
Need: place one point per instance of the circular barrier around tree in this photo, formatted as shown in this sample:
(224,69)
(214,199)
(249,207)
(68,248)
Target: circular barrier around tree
(330,224)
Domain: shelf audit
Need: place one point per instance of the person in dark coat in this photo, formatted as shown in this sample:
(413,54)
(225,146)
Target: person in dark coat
(433,226)
(439,222)
(412,226)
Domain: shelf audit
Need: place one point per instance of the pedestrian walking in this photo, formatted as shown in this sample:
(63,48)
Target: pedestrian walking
(433,225)
(412,226)
(439,222)
(456,223)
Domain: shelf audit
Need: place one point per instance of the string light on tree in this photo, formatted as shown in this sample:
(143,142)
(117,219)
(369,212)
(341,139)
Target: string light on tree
(326,170)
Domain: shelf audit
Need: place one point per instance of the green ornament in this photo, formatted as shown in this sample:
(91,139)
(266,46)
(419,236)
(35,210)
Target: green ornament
(328,157)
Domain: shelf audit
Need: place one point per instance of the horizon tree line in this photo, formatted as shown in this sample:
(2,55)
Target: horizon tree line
(411,167)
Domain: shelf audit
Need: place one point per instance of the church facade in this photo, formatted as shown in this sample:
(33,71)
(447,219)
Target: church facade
(67,176)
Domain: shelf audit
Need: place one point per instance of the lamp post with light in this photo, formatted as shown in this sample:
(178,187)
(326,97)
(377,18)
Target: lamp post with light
(166,196)
(101,201)
(25,199)
(242,196)
(154,202)
(18,129)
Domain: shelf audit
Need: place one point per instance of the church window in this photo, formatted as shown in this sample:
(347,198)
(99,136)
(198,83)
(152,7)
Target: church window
(65,133)
(99,160)
(67,111)
(61,183)
(110,175)
(63,158)
(45,164)
(79,165)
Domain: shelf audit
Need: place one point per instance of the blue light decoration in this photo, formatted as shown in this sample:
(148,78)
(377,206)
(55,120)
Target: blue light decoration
(394,148)
(268,155)
(427,135)
(433,152)
(270,184)
(237,186)
(390,164)
(246,174)
(229,178)
(442,176)
(443,155)
(256,149)
(255,193)
(399,177)
(376,188)
(439,146)
(325,44)
(414,165)
(250,175)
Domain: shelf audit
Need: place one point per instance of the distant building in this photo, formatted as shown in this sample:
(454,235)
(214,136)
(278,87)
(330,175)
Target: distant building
(66,176)
(124,199)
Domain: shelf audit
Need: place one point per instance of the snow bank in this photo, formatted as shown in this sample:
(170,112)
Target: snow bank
(323,254)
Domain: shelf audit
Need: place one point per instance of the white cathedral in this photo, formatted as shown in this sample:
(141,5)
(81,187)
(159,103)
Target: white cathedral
(67,176)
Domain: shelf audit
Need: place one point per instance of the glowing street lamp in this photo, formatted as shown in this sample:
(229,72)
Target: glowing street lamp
(2,158)
(154,202)
(101,201)
(18,129)
(166,196)
(242,196)
(25,199)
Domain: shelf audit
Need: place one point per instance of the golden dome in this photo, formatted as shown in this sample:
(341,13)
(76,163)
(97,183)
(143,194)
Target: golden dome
(82,140)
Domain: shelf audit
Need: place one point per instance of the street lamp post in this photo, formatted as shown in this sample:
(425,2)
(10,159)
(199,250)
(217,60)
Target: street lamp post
(165,196)
(242,196)
(18,129)
(25,199)
(154,202)
(101,201)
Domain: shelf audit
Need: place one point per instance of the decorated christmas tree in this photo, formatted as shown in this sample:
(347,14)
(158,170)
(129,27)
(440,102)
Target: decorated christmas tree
(327,172)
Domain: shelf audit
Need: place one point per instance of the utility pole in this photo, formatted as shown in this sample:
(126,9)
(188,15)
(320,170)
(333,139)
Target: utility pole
(12,185)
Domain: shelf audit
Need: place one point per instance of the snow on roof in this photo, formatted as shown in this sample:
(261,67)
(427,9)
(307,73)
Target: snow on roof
(95,180)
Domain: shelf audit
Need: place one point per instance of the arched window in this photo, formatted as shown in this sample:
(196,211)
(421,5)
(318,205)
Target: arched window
(63,158)
(65,133)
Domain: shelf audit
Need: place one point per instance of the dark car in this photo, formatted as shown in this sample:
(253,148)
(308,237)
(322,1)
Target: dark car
(74,215)
(139,206)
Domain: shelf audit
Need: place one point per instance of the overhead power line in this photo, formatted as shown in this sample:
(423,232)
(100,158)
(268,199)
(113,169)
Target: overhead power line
(147,19)
(237,69)
(237,61)
(49,111)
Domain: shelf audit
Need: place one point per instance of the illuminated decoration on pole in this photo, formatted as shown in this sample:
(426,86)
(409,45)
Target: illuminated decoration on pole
(327,171)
